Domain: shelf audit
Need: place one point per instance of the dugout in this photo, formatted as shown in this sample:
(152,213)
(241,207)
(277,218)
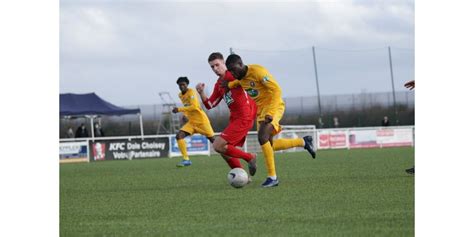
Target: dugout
(91,106)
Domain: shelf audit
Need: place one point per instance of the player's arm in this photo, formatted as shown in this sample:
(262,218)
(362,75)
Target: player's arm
(215,98)
(175,109)
(200,91)
(193,106)
(227,85)
(234,84)
(410,85)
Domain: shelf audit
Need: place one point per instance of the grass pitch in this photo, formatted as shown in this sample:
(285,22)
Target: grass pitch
(359,192)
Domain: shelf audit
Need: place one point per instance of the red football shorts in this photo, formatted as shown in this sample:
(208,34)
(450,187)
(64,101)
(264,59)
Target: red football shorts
(236,132)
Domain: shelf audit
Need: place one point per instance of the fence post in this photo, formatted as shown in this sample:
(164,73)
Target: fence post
(347,138)
(316,138)
(88,151)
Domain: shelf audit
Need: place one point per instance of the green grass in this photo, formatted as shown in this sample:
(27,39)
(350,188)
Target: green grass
(360,192)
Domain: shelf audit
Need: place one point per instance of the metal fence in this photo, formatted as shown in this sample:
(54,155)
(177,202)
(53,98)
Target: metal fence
(307,104)
(334,82)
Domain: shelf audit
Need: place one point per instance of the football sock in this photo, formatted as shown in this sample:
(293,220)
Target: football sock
(182,148)
(233,162)
(235,152)
(284,143)
(269,158)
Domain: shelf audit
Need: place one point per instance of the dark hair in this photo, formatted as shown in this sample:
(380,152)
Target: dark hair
(214,56)
(182,79)
(233,59)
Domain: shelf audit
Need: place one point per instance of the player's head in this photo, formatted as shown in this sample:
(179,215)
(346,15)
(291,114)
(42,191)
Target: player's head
(216,61)
(236,66)
(183,83)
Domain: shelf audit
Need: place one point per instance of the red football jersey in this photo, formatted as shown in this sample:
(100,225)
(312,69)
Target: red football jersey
(239,103)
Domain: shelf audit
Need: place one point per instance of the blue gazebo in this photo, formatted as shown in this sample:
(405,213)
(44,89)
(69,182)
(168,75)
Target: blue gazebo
(90,106)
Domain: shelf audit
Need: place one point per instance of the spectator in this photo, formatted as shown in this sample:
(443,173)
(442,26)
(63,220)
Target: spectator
(82,131)
(320,122)
(385,122)
(70,133)
(98,132)
(336,121)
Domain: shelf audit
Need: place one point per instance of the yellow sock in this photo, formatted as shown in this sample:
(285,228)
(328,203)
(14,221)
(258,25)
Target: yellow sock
(283,144)
(269,158)
(182,148)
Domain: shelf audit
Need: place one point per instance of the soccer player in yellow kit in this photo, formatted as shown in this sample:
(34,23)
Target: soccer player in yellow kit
(266,92)
(198,122)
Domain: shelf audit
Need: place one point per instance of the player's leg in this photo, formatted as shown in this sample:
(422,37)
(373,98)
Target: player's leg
(211,139)
(234,136)
(233,151)
(265,131)
(286,143)
(185,131)
(231,161)
(223,147)
(182,148)
(206,130)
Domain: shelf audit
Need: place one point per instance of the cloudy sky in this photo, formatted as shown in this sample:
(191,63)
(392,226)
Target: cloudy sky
(127,51)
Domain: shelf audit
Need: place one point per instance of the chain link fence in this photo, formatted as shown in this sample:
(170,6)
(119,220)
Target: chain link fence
(357,88)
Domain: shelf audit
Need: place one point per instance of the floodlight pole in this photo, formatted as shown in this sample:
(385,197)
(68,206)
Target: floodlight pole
(231,51)
(317,82)
(393,86)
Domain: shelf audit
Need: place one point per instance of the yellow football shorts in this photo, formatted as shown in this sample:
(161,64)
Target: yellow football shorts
(277,116)
(201,128)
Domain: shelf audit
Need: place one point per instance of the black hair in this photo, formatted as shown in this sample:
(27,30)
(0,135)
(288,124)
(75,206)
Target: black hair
(214,56)
(233,59)
(182,79)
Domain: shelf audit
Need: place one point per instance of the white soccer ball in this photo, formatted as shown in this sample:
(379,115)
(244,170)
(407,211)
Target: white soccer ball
(237,177)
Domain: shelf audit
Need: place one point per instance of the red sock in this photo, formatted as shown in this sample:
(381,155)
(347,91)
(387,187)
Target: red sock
(235,152)
(234,163)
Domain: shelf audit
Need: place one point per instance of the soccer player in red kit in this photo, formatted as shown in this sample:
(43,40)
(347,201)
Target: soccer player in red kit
(243,111)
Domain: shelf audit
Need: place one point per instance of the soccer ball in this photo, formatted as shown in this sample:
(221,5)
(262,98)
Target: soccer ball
(237,177)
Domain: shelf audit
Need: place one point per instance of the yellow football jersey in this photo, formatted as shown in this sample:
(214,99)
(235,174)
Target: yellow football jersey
(261,86)
(192,109)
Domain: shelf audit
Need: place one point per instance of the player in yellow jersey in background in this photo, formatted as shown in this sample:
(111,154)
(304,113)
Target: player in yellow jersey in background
(198,122)
(266,92)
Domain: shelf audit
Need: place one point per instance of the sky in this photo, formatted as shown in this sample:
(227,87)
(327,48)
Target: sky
(129,51)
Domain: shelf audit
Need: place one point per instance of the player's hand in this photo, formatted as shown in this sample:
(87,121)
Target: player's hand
(410,85)
(268,118)
(200,87)
(225,85)
(175,110)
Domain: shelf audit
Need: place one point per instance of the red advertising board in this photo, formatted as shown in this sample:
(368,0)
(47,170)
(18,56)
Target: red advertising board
(332,139)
